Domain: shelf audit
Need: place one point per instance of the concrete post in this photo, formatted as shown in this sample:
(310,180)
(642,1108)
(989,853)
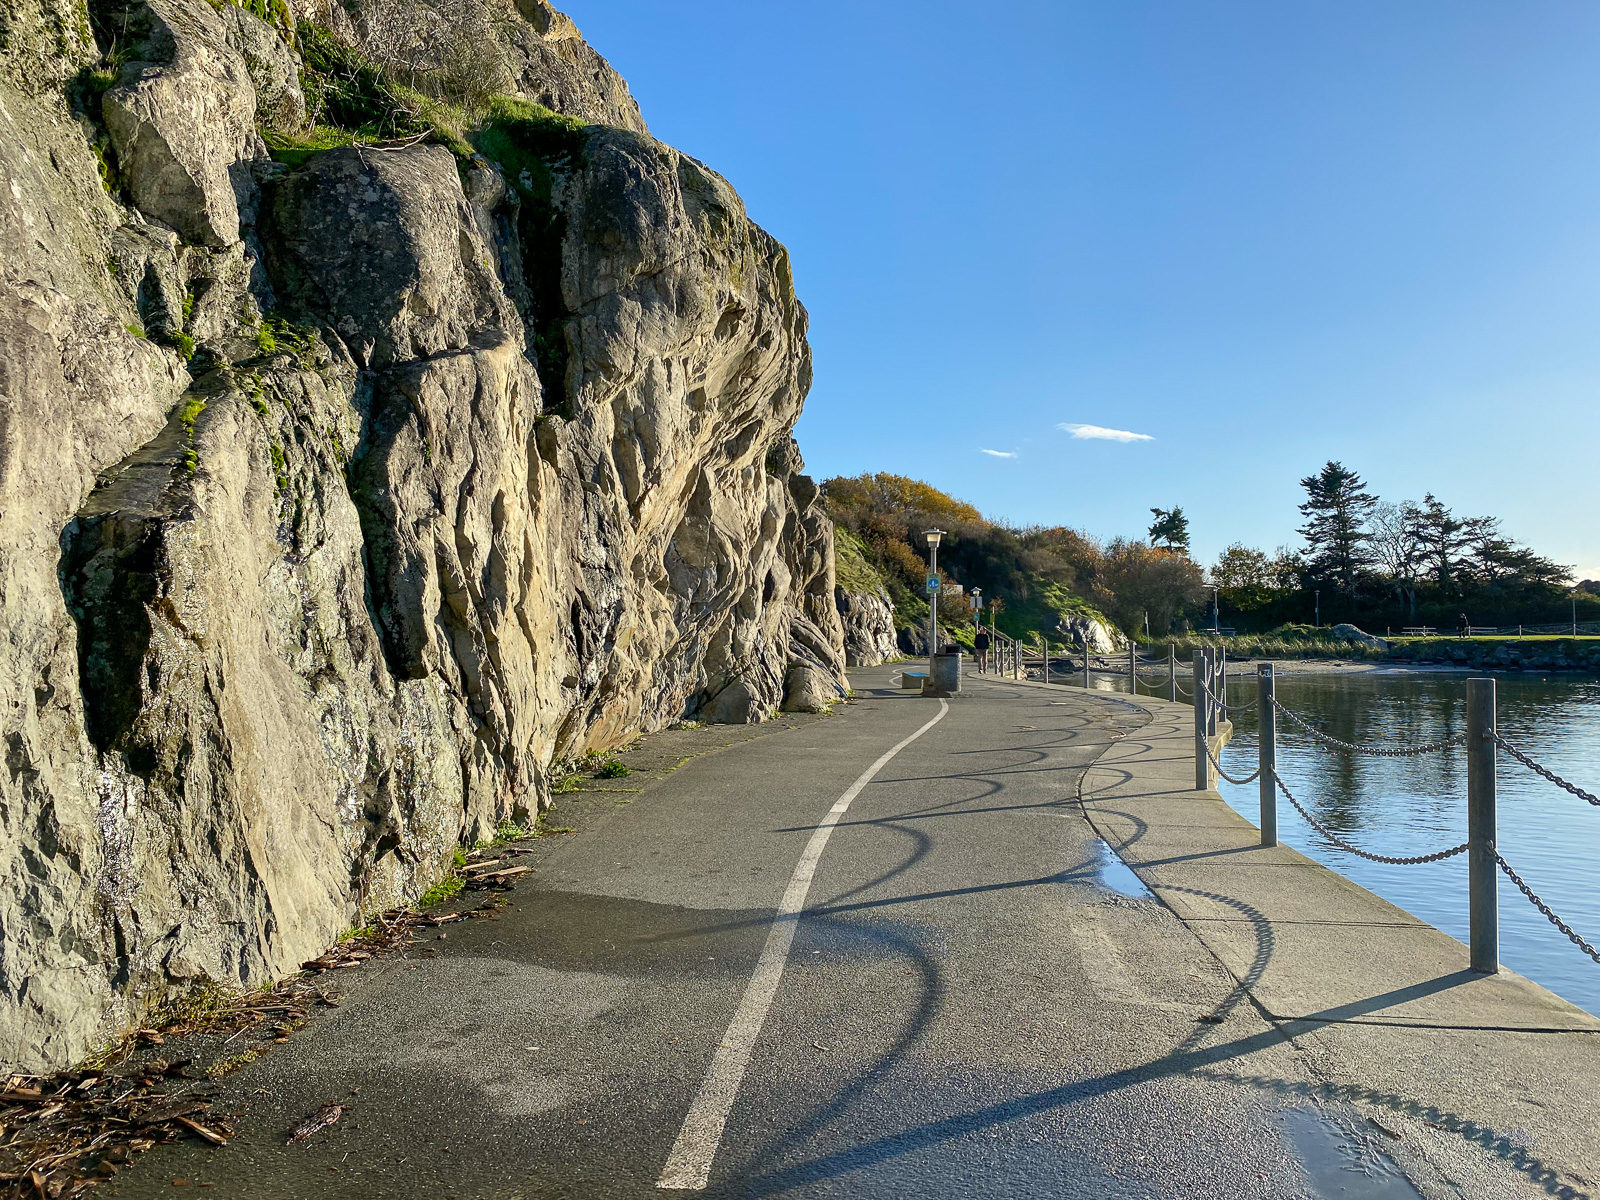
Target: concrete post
(1210,703)
(1266,689)
(1482,870)
(1202,768)
(1172,673)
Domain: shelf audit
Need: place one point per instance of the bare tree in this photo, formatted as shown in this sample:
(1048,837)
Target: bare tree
(444,48)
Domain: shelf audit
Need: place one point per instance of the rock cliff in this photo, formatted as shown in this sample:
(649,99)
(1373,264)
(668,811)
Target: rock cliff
(346,486)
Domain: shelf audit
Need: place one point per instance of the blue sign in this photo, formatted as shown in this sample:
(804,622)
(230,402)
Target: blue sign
(933,585)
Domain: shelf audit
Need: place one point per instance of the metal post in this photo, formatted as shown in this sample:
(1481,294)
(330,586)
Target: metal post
(1172,673)
(1222,672)
(1202,768)
(1044,649)
(1086,661)
(1267,744)
(1211,693)
(1482,876)
(1133,667)
(933,610)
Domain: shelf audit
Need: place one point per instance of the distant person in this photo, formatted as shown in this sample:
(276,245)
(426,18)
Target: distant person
(1464,626)
(980,647)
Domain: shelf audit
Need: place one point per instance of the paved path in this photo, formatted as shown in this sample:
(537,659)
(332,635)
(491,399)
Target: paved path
(968,1005)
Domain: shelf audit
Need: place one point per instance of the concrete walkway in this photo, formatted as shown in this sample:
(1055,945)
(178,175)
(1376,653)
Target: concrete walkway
(1380,1006)
(976,998)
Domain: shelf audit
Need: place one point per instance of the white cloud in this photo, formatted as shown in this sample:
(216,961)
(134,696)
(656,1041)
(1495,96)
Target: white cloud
(1000,453)
(1101,434)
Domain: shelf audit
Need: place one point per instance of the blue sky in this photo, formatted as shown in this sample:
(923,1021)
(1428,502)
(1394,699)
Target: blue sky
(1262,234)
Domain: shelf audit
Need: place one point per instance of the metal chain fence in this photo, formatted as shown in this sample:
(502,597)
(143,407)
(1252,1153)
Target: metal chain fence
(1383,751)
(1438,856)
(1538,902)
(1250,778)
(1546,772)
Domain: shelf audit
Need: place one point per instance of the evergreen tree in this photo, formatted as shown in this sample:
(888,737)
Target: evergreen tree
(1171,527)
(1440,537)
(1336,510)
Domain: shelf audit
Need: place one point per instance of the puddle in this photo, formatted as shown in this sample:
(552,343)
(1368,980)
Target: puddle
(1118,877)
(1343,1161)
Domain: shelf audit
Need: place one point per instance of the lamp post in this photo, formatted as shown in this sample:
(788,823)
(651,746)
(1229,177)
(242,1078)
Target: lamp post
(1319,608)
(933,536)
(977,615)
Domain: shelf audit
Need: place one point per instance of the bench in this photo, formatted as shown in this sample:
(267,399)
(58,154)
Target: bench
(913,679)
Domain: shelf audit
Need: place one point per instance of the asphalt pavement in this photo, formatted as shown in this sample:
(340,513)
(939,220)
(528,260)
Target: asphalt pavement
(979,1000)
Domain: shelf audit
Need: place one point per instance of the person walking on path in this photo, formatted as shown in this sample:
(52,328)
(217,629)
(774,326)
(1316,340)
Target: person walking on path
(1465,626)
(980,647)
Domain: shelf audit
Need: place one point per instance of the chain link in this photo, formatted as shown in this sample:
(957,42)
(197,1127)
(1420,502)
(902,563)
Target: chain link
(1544,771)
(1384,751)
(1250,778)
(1549,913)
(1338,841)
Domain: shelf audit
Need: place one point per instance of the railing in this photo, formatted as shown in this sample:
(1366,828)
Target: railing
(1558,628)
(1480,740)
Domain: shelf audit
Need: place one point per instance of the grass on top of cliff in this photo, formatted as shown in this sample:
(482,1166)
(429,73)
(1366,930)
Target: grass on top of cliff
(353,100)
(851,570)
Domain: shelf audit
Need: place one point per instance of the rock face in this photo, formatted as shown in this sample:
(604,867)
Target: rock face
(294,606)
(1100,637)
(868,620)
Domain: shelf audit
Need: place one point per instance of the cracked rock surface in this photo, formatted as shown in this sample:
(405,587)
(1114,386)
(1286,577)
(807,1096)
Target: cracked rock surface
(341,499)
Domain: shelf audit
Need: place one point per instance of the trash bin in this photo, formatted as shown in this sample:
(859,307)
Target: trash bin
(944,675)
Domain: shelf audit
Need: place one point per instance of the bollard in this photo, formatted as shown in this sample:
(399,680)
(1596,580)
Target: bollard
(1222,675)
(1267,745)
(1133,668)
(1044,649)
(1482,870)
(1172,673)
(1086,662)
(1202,768)
(1210,698)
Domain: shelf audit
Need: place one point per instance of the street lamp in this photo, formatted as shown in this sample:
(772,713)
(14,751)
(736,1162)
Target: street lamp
(933,536)
(977,622)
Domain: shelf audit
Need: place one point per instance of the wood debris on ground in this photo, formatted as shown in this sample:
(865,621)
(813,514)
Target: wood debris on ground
(396,930)
(63,1134)
(321,1119)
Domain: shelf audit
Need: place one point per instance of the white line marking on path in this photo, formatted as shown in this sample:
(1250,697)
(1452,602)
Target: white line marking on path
(689,1165)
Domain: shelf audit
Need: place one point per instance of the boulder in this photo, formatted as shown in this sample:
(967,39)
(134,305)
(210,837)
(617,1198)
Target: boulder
(273,67)
(182,121)
(382,247)
(552,65)
(1350,633)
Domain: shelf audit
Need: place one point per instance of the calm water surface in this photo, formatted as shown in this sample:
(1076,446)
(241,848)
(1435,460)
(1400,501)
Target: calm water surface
(1411,806)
